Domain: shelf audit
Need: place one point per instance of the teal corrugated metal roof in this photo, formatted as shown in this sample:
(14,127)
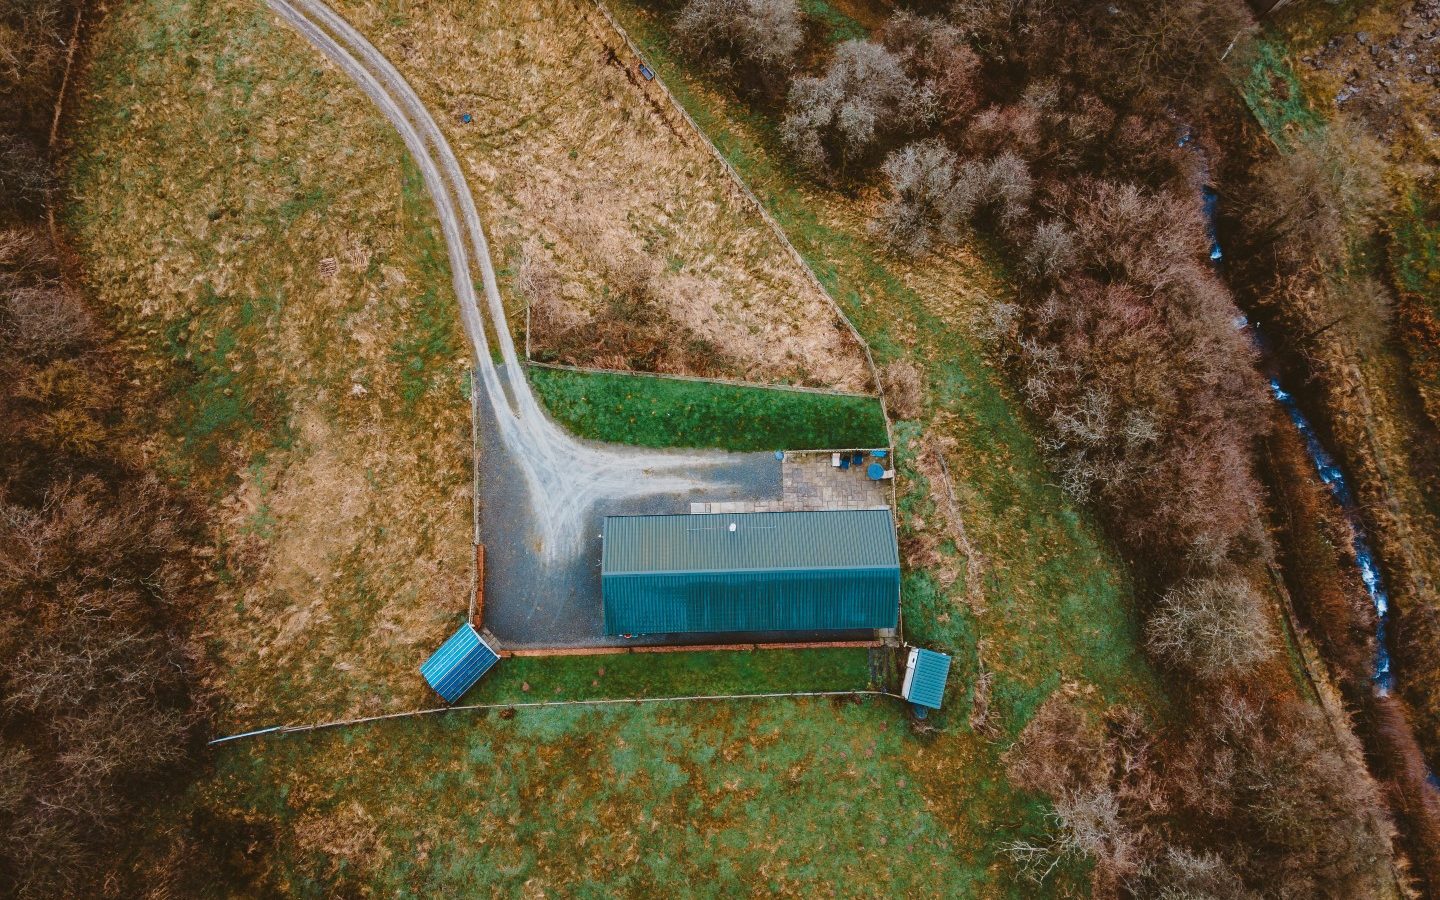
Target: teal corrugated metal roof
(926,683)
(799,571)
(459,663)
(827,539)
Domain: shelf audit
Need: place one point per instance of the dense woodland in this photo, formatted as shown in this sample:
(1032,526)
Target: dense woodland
(100,718)
(1065,132)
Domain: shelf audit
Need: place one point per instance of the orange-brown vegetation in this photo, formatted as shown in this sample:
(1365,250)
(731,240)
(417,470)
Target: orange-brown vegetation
(1125,348)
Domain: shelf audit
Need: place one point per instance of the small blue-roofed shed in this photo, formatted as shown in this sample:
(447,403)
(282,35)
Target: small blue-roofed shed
(925,674)
(458,664)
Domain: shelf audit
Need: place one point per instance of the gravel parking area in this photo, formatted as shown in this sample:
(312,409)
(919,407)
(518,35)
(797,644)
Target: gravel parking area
(530,602)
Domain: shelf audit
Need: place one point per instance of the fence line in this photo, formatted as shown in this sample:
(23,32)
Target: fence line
(687,648)
(538,704)
(705,379)
(763,211)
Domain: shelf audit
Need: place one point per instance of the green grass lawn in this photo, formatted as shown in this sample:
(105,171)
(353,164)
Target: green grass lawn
(654,411)
(521,678)
(705,800)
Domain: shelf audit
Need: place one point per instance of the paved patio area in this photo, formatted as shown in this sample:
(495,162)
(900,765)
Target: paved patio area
(811,481)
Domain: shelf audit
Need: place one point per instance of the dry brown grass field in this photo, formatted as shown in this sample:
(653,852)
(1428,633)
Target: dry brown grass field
(269,258)
(586,173)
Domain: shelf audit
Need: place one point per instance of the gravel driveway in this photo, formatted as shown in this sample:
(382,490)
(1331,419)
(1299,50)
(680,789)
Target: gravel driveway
(543,491)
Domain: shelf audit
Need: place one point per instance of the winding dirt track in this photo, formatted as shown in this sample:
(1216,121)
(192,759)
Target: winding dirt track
(565,477)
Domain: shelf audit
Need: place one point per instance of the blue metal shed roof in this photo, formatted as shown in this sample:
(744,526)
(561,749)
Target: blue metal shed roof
(800,571)
(925,683)
(459,663)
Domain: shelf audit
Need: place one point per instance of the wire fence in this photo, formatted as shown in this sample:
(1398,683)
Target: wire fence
(537,704)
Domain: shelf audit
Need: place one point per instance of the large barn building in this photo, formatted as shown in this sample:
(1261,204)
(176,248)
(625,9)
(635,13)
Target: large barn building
(829,570)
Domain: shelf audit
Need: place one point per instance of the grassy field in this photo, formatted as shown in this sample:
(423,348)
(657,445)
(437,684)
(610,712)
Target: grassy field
(271,262)
(344,516)
(668,412)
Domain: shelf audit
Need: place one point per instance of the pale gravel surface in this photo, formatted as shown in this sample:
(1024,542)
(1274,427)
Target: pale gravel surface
(544,490)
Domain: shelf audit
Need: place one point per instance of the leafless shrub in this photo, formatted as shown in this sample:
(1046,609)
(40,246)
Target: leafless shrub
(1060,752)
(1167,47)
(1150,393)
(1131,234)
(863,100)
(995,129)
(1051,252)
(995,323)
(539,284)
(1184,874)
(27,259)
(1096,772)
(904,389)
(980,720)
(1000,28)
(759,36)
(935,54)
(998,188)
(1310,813)
(25,175)
(1366,308)
(33,36)
(45,323)
(96,678)
(923,205)
(1212,627)
(1308,205)
(1092,825)
(98,704)
(631,329)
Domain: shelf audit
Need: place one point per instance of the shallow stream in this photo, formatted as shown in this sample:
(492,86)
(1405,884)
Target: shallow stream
(1325,465)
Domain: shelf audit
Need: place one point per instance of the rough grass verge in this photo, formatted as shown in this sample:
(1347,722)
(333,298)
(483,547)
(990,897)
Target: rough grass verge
(1275,96)
(653,411)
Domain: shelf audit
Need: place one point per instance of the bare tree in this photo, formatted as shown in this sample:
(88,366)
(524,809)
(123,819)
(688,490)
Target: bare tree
(1212,627)
(1310,204)
(1184,874)
(1168,47)
(997,189)
(758,37)
(24,175)
(45,323)
(863,100)
(935,54)
(1051,252)
(923,204)
(1093,825)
